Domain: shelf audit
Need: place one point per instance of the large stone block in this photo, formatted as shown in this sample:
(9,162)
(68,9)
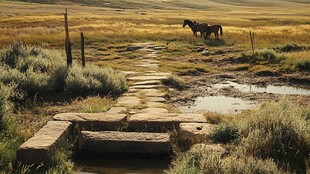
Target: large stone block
(193,133)
(125,142)
(94,121)
(43,145)
(164,121)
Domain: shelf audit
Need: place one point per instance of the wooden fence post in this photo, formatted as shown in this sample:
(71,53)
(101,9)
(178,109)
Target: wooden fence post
(82,49)
(68,44)
(252,40)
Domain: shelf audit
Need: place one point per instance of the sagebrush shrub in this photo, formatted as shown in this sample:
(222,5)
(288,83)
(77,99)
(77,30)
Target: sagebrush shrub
(94,80)
(175,82)
(278,131)
(225,133)
(5,93)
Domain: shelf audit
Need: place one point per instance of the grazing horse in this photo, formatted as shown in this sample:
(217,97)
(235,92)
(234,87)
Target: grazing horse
(195,26)
(214,29)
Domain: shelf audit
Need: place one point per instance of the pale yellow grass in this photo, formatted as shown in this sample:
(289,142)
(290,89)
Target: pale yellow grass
(36,23)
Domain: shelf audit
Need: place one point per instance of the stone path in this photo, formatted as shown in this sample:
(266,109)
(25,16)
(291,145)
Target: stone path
(143,114)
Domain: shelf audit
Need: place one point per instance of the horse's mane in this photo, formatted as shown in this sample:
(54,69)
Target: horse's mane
(189,22)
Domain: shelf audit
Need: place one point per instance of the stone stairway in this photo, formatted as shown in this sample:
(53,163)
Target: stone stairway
(140,121)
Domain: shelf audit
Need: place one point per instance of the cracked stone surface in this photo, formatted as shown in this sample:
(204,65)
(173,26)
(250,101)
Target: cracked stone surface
(44,143)
(195,132)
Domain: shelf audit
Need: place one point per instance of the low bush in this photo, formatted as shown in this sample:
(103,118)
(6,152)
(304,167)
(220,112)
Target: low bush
(289,48)
(302,65)
(37,71)
(10,140)
(212,163)
(225,133)
(278,131)
(175,82)
(94,80)
(264,55)
(5,105)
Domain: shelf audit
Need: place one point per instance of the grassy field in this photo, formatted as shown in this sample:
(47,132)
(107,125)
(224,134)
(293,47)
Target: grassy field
(43,23)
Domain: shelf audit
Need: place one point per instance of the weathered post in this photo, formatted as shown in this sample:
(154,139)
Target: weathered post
(82,49)
(68,44)
(252,40)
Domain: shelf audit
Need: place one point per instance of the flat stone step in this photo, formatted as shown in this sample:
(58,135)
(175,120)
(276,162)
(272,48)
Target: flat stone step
(144,78)
(154,110)
(147,87)
(164,121)
(148,65)
(117,110)
(193,133)
(157,105)
(94,121)
(125,142)
(129,72)
(156,99)
(158,74)
(148,82)
(128,101)
(43,145)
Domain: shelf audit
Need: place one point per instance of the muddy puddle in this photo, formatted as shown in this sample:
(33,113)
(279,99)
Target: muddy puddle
(234,100)
(283,90)
(219,104)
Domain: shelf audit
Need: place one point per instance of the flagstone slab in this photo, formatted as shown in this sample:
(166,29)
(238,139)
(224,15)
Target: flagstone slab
(169,121)
(194,133)
(148,82)
(94,121)
(148,65)
(117,110)
(159,74)
(129,72)
(144,78)
(156,99)
(125,142)
(128,101)
(147,87)
(154,110)
(157,105)
(43,145)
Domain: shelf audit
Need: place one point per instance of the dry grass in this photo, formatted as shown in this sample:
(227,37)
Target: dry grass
(38,23)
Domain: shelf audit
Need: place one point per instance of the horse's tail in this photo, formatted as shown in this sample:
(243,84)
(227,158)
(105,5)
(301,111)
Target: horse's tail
(221,30)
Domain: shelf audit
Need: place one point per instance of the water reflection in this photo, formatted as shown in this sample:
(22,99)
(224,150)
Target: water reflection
(285,90)
(220,104)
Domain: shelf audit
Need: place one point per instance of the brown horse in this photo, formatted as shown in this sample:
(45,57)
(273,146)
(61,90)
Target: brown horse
(196,27)
(214,29)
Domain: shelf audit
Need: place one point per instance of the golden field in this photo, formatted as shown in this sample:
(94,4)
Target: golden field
(43,23)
